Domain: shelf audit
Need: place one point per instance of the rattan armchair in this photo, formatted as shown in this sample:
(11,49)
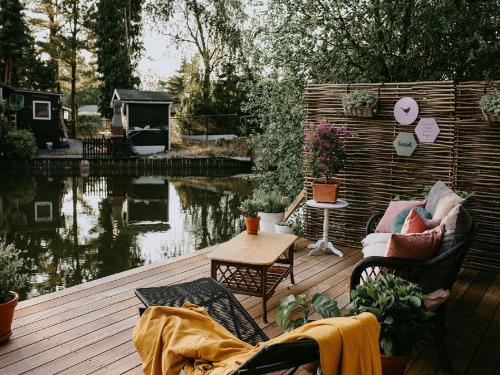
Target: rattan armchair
(438,272)
(225,309)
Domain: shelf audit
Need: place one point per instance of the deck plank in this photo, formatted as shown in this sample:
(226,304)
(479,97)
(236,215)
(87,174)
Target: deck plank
(87,329)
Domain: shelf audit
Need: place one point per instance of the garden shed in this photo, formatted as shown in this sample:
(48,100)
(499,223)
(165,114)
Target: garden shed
(37,111)
(144,117)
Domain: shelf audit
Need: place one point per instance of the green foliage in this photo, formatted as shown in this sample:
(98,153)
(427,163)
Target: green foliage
(10,267)
(277,111)
(19,144)
(324,150)
(360,98)
(399,306)
(294,311)
(250,207)
(490,103)
(380,41)
(117,28)
(90,124)
(272,201)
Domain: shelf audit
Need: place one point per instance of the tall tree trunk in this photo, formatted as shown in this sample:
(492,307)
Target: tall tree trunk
(74,51)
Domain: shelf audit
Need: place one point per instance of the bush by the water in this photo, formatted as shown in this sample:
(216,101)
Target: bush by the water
(19,144)
(90,124)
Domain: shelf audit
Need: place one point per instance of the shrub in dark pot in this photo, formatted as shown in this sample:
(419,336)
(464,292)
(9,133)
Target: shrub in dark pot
(399,306)
(10,280)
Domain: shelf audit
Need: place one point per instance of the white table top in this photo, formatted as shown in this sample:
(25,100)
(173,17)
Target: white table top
(339,204)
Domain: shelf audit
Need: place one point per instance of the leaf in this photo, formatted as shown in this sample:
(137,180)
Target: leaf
(389,320)
(325,306)
(286,308)
(295,323)
(417,302)
(387,347)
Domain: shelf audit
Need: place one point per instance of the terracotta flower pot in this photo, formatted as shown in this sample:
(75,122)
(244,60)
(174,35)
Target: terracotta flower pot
(395,365)
(252,224)
(325,193)
(6,316)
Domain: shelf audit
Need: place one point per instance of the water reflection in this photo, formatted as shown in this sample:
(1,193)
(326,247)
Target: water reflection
(76,229)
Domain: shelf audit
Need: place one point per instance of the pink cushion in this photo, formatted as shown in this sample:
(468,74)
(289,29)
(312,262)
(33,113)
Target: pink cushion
(395,207)
(436,299)
(418,246)
(415,223)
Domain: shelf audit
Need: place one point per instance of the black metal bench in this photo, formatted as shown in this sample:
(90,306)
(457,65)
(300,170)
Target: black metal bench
(225,309)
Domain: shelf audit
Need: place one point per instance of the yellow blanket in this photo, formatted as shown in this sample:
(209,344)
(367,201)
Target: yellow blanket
(169,339)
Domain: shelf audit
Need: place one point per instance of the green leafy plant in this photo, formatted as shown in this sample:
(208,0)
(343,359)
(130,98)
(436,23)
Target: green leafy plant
(324,150)
(10,266)
(272,202)
(90,124)
(490,103)
(295,311)
(360,98)
(399,306)
(250,207)
(19,144)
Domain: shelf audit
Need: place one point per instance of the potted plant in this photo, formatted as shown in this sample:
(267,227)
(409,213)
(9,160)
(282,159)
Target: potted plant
(490,106)
(295,312)
(272,211)
(10,280)
(325,155)
(360,103)
(250,210)
(399,306)
(284,227)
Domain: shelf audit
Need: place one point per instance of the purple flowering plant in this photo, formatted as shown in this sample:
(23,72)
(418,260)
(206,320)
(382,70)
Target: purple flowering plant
(324,149)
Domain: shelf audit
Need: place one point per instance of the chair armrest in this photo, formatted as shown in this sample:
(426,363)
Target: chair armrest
(373,221)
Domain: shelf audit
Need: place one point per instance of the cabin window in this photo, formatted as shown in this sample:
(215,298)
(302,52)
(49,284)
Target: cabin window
(43,212)
(41,110)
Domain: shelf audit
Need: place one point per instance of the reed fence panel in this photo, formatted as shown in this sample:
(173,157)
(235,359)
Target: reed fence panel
(376,174)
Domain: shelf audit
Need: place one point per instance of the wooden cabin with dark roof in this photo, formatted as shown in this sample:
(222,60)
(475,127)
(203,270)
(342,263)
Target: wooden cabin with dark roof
(144,117)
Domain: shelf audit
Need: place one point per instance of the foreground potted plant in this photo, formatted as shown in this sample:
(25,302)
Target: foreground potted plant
(360,103)
(272,211)
(10,280)
(399,306)
(295,311)
(250,211)
(490,106)
(325,155)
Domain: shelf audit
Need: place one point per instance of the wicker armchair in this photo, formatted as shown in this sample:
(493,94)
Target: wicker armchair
(438,272)
(224,308)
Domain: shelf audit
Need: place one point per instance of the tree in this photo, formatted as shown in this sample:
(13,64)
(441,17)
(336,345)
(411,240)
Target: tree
(175,84)
(117,29)
(213,27)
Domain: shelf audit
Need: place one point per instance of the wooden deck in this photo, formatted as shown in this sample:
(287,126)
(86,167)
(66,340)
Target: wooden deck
(87,329)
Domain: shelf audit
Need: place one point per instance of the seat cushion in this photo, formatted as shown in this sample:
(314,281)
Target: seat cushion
(417,246)
(394,208)
(416,223)
(439,190)
(374,238)
(399,220)
(375,250)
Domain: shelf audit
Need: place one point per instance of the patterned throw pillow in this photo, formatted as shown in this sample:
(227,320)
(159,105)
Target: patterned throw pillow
(399,220)
(394,208)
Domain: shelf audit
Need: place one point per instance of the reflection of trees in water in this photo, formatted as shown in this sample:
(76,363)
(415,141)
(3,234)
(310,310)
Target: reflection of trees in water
(212,207)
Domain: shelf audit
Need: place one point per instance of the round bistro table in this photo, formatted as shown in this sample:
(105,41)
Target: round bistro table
(324,243)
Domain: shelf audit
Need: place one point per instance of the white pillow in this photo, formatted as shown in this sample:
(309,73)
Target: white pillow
(374,238)
(376,249)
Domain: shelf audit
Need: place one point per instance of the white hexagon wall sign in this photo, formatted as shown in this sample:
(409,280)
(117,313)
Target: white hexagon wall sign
(427,130)
(405,144)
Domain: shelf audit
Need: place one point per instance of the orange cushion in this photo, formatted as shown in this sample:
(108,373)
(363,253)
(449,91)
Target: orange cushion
(415,223)
(418,246)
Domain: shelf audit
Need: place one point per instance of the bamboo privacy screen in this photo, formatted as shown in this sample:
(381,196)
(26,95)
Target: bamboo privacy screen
(465,155)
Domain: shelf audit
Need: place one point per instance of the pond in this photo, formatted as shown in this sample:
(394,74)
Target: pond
(76,229)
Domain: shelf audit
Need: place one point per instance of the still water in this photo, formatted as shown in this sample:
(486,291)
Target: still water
(76,229)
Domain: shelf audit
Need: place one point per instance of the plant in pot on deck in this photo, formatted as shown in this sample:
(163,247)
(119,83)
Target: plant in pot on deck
(399,306)
(10,281)
(325,156)
(490,106)
(250,211)
(272,211)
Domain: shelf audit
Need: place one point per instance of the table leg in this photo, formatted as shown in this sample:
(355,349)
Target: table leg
(290,257)
(324,243)
(264,292)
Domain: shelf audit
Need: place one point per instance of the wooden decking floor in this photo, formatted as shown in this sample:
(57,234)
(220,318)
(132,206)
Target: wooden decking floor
(87,329)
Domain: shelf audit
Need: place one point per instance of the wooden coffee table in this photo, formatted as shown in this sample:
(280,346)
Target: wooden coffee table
(254,265)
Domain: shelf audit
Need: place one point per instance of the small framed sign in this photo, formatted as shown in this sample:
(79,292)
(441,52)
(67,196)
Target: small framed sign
(427,130)
(405,144)
(406,110)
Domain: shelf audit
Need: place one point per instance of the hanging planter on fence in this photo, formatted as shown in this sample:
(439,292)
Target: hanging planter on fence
(490,106)
(360,103)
